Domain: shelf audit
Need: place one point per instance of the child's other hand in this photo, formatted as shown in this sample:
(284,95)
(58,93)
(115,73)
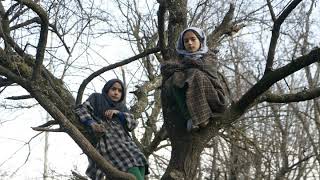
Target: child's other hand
(110,113)
(99,128)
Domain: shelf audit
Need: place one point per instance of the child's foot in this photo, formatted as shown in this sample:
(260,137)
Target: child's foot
(191,127)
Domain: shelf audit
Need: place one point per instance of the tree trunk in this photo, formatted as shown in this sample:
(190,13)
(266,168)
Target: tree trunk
(186,147)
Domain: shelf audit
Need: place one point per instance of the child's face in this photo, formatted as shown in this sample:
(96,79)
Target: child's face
(115,92)
(191,42)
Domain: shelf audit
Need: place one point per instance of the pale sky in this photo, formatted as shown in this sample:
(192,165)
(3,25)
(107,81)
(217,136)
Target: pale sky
(15,132)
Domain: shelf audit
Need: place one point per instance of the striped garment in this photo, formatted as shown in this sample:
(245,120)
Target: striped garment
(115,145)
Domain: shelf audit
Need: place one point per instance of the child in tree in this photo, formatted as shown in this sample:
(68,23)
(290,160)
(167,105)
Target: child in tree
(193,80)
(106,114)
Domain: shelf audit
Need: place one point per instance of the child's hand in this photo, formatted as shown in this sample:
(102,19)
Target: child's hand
(98,128)
(110,113)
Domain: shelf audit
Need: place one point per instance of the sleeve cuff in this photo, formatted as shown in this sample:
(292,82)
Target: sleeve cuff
(122,118)
(88,122)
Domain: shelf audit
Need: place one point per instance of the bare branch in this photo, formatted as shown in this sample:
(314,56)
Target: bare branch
(12,43)
(55,30)
(5,32)
(161,24)
(201,11)
(287,98)
(142,94)
(43,35)
(80,4)
(19,97)
(44,129)
(112,66)
(161,135)
(284,170)
(26,23)
(38,20)
(5,82)
(248,99)
(223,28)
(47,124)
(276,32)
(5,72)
(16,15)
(273,16)
(26,158)
(177,22)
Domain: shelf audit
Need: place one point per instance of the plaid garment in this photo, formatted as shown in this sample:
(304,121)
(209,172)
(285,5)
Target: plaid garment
(114,145)
(205,96)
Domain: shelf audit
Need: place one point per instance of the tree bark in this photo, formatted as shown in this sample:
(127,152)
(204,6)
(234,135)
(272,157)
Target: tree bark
(186,147)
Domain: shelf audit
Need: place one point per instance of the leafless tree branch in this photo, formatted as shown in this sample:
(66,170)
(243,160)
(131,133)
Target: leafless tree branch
(5,82)
(43,35)
(224,27)
(112,66)
(43,129)
(276,32)
(161,135)
(248,99)
(19,97)
(161,25)
(273,16)
(288,98)
(49,123)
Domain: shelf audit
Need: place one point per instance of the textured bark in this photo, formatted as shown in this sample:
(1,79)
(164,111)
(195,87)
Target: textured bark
(186,147)
(17,67)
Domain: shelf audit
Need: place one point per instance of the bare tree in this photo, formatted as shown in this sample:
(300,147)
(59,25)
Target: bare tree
(263,130)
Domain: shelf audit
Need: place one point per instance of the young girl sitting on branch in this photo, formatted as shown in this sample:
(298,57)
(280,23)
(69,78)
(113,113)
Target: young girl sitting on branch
(193,80)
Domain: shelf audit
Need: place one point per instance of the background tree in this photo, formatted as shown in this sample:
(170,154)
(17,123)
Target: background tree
(264,134)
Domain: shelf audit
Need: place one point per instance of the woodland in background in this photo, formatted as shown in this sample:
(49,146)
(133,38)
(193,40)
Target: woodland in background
(268,54)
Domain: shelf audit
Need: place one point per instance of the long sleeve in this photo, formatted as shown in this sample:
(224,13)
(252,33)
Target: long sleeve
(84,112)
(128,120)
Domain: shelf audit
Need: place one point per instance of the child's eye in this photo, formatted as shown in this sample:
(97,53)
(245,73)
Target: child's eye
(191,39)
(116,89)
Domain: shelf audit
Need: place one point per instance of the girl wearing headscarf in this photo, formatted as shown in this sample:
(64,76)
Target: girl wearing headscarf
(110,122)
(193,80)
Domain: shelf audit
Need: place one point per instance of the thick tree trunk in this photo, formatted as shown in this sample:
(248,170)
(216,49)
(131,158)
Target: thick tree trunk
(186,146)
(185,156)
